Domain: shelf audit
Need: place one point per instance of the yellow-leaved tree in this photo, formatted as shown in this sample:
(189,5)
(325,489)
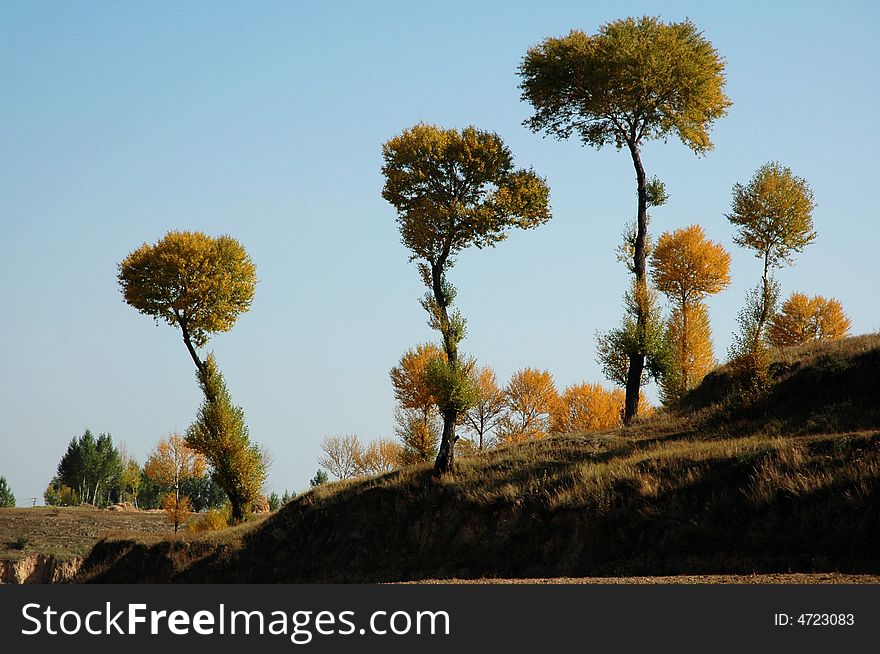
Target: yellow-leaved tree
(488,408)
(201,284)
(170,463)
(455,189)
(773,215)
(586,407)
(686,267)
(803,319)
(531,398)
(380,456)
(416,414)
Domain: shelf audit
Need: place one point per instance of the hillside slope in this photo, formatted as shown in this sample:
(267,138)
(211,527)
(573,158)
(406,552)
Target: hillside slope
(787,480)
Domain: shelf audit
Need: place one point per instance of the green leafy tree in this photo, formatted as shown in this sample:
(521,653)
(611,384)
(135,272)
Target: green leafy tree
(634,81)
(7,498)
(454,189)
(221,435)
(91,467)
(319,478)
(773,215)
(274,501)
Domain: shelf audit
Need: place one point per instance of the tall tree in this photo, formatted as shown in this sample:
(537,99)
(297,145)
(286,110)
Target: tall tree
(170,463)
(586,407)
(804,319)
(686,267)
(531,401)
(221,435)
(454,189)
(634,81)
(190,280)
(488,408)
(773,215)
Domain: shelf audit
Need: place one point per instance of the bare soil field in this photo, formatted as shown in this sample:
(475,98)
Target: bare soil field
(69,532)
(795,578)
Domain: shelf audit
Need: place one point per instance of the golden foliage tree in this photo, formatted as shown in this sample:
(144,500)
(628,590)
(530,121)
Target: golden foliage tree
(380,456)
(690,333)
(189,279)
(586,407)
(454,189)
(636,80)
(488,408)
(341,455)
(531,400)
(773,215)
(803,319)
(409,378)
(178,508)
(221,435)
(419,435)
(686,267)
(170,463)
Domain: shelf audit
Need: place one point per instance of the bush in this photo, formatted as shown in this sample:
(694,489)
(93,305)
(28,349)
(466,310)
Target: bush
(211,520)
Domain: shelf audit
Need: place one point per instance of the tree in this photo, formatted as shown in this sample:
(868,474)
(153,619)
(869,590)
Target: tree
(7,497)
(489,407)
(129,481)
(380,456)
(89,467)
(178,508)
(690,339)
(615,348)
(686,267)
(773,214)
(170,463)
(634,81)
(220,434)
(409,378)
(190,280)
(419,435)
(341,455)
(274,501)
(454,189)
(531,400)
(587,407)
(803,319)
(319,478)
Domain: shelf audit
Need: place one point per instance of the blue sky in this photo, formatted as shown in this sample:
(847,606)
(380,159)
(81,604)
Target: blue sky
(121,121)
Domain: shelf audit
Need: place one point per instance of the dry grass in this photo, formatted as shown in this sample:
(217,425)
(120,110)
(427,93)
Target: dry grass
(786,482)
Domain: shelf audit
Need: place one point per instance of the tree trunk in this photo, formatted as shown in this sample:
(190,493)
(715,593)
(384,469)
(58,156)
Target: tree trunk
(445,462)
(765,302)
(637,359)
(188,342)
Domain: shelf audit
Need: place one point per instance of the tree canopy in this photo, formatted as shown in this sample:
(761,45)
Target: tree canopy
(636,79)
(7,497)
(803,319)
(686,266)
(189,279)
(773,214)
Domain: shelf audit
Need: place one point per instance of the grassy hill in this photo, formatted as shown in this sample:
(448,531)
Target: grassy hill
(728,482)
